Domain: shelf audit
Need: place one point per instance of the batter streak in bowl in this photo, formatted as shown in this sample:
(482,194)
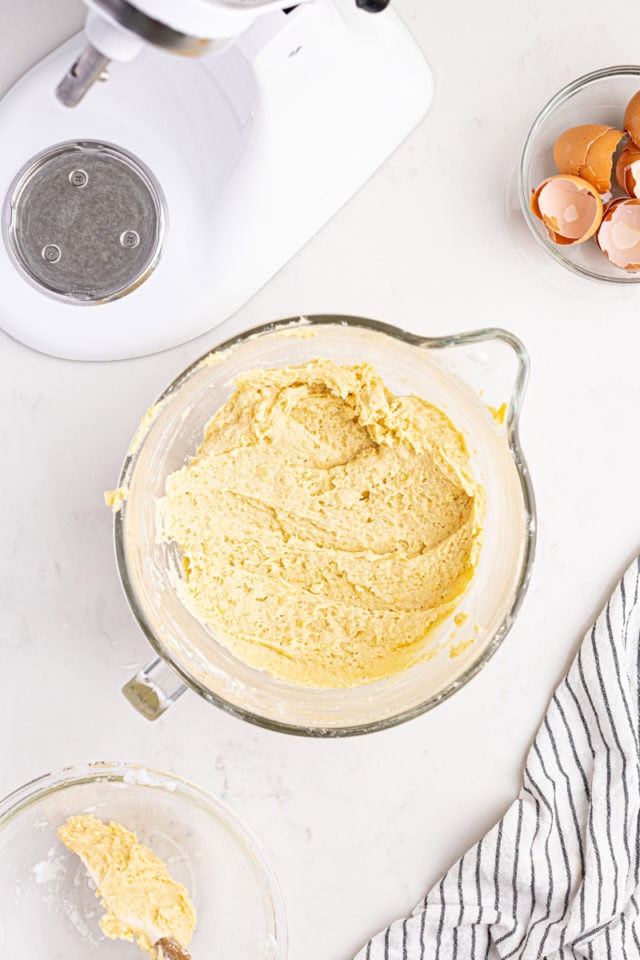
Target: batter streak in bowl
(142,901)
(326,525)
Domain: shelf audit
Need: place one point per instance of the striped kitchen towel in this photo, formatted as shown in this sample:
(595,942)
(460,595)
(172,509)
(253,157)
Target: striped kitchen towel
(559,876)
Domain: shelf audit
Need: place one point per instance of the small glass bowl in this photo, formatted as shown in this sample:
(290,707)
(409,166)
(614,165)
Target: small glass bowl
(49,906)
(598,97)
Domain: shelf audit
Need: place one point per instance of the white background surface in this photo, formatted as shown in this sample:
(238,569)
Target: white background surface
(357,829)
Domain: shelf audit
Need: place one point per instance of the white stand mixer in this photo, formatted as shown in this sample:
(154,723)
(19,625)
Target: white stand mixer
(155,208)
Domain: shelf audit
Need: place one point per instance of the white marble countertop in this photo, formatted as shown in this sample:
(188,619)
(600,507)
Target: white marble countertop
(357,829)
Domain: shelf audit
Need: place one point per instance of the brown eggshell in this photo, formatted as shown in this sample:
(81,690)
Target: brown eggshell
(628,170)
(631,121)
(619,234)
(587,151)
(569,207)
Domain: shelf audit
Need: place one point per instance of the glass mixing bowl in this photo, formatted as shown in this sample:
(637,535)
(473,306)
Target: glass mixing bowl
(462,375)
(598,97)
(49,908)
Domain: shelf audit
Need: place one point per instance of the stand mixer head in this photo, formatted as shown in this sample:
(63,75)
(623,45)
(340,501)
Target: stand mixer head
(117,30)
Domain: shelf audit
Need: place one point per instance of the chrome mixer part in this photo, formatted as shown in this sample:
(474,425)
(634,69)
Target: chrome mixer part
(90,66)
(85,222)
(155,32)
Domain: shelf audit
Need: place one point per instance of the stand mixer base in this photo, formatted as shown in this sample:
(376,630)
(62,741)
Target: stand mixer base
(252,150)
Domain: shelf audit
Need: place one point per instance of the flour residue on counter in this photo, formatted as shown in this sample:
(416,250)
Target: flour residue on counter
(326,525)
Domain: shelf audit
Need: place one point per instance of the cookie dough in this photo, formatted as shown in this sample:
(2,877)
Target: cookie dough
(141,900)
(326,525)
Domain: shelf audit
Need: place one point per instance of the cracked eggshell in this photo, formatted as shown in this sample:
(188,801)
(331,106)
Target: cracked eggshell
(628,170)
(619,234)
(569,207)
(631,121)
(587,151)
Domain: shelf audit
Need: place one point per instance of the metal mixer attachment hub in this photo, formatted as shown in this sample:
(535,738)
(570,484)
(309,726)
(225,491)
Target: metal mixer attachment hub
(84,222)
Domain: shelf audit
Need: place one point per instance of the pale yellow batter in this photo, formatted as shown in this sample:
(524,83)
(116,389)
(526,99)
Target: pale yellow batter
(141,900)
(325,524)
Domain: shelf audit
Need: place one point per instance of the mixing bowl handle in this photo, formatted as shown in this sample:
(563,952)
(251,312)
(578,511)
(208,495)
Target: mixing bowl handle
(153,689)
(494,363)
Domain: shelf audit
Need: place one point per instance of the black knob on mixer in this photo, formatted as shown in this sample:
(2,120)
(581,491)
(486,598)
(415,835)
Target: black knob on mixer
(373,6)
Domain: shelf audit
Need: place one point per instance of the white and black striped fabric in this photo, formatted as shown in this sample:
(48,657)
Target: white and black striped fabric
(559,876)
